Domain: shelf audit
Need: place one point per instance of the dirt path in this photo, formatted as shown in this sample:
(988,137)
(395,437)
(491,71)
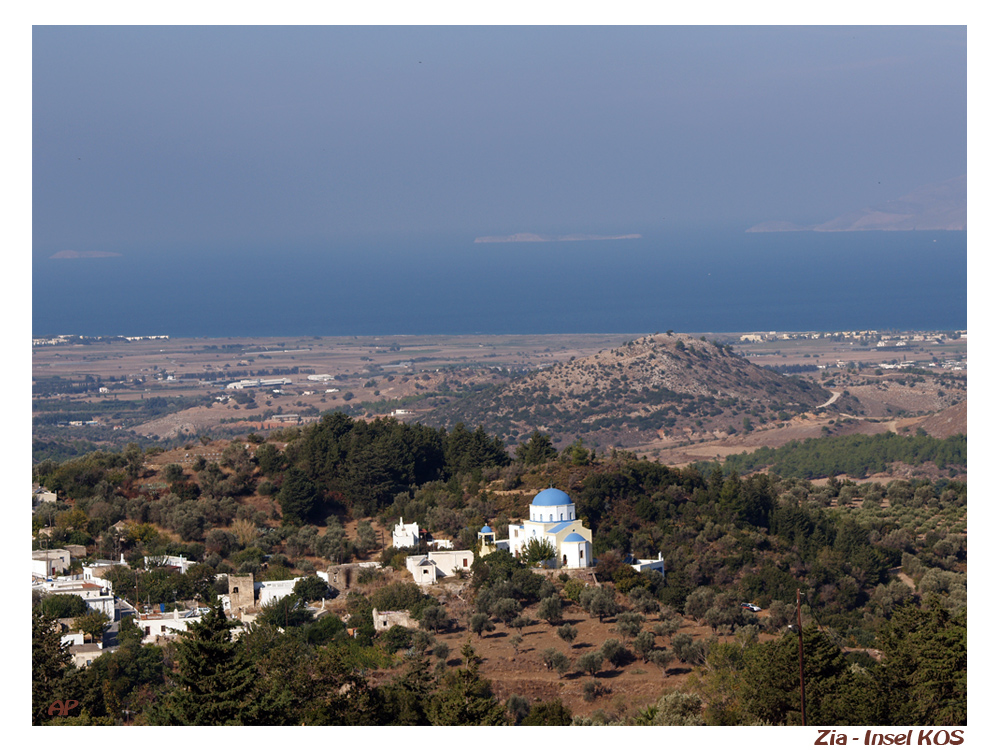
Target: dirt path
(832,399)
(898,572)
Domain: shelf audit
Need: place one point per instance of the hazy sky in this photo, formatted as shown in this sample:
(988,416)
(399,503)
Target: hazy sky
(147,138)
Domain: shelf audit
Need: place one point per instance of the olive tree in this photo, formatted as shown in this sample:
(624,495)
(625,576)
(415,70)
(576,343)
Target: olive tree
(603,604)
(434,618)
(550,609)
(590,662)
(629,624)
(480,622)
(506,610)
(567,632)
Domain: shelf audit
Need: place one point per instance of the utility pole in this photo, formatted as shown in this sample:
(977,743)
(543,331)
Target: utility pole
(802,677)
(45,546)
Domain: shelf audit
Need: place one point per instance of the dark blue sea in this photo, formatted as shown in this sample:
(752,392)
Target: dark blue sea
(704,281)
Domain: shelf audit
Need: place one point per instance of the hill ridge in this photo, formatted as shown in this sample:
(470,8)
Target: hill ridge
(664,383)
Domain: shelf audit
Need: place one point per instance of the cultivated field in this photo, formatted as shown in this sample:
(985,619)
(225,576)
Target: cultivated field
(407,375)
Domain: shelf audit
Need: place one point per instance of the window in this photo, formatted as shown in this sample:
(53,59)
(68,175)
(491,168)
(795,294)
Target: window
(465,562)
(550,518)
(581,554)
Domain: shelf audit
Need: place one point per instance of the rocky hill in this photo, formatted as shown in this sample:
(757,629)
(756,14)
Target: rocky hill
(660,385)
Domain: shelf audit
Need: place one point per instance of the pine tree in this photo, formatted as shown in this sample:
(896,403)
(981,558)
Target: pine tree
(923,673)
(405,698)
(297,496)
(50,659)
(537,450)
(465,698)
(550,714)
(770,689)
(215,681)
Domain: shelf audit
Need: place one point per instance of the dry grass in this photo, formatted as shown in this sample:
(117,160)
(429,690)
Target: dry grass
(629,688)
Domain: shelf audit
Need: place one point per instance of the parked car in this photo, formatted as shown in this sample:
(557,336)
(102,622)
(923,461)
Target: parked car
(751,607)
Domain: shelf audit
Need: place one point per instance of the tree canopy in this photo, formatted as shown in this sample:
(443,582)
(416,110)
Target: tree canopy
(215,683)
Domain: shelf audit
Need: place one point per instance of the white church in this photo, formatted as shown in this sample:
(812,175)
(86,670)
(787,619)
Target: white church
(552,516)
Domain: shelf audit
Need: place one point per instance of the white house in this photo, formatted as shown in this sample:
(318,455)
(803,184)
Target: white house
(84,654)
(266,592)
(405,534)
(428,568)
(42,495)
(49,562)
(72,638)
(422,569)
(552,517)
(169,561)
(97,597)
(168,624)
(269,591)
(95,571)
(643,565)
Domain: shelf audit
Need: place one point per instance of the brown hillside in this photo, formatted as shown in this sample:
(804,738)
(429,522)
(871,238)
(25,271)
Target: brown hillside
(950,421)
(658,385)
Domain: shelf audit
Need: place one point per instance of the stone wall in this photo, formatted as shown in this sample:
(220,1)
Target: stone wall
(240,593)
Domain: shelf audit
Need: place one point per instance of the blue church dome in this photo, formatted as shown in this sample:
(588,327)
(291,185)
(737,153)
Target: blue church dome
(486,530)
(574,537)
(552,496)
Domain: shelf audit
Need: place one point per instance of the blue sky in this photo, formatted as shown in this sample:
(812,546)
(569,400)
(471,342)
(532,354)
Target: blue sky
(147,138)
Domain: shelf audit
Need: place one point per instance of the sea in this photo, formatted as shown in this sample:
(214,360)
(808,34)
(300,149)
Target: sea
(715,280)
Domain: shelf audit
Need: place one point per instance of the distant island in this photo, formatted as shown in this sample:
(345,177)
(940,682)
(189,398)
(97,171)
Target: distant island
(85,254)
(528,237)
(941,206)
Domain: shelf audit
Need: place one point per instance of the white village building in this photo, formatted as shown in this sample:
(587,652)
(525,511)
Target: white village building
(157,625)
(641,565)
(434,565)
(49,562)
(97,596)
(552,516)
(405,534)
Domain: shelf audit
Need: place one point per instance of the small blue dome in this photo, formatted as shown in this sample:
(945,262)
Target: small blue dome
(486,530)
(574,537)
(552,496)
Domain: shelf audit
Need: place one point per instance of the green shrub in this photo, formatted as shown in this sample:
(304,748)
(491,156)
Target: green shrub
(592,690)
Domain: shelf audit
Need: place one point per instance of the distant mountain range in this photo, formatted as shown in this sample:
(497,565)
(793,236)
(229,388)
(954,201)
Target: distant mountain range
(941,206)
